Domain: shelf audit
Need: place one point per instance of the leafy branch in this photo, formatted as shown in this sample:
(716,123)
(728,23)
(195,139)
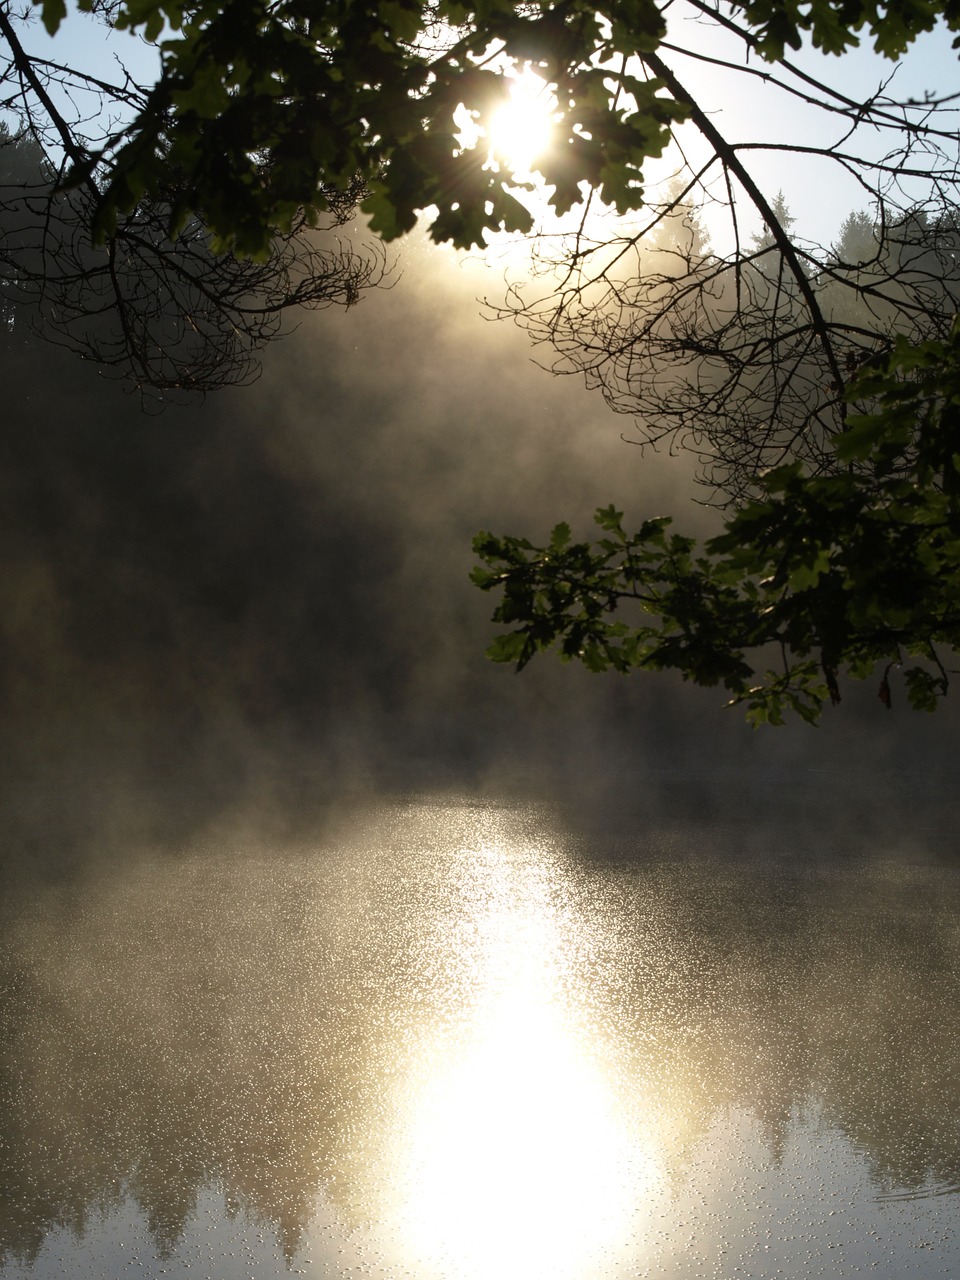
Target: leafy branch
(821,577)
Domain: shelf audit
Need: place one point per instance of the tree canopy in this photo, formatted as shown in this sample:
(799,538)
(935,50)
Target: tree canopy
(152,304)
(263,107)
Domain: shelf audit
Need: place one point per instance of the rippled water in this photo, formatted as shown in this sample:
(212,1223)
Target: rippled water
(457,1041)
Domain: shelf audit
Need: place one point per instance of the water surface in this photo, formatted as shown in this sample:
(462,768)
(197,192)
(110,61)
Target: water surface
(456,1039)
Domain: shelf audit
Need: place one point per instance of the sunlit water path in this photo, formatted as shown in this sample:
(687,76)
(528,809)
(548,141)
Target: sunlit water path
(454,1040)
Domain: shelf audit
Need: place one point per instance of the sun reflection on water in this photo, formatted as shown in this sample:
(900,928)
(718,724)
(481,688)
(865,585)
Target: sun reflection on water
(518,1161)
(450,1045)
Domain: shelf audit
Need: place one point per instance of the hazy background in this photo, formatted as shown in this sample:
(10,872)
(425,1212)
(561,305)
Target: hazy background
(228,615)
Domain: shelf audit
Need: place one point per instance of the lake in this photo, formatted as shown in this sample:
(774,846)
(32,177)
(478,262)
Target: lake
(451,1038)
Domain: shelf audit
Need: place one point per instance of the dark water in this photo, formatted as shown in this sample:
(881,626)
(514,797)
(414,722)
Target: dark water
(454,1039)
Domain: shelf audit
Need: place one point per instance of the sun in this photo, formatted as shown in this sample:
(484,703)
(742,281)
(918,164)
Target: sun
(521,129)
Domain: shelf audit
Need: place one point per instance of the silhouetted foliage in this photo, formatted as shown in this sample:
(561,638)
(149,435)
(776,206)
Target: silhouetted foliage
(765,360)
(162,311)
(743,358)
(261,110)
(848,571)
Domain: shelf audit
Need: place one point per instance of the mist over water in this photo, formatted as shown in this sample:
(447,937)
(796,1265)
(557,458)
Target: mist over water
(324,943)
(452,1038)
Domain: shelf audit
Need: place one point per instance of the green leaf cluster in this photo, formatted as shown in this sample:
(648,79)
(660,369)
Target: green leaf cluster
(821,578)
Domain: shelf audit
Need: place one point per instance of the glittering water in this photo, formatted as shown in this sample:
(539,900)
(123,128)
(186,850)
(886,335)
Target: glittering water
(455,1041)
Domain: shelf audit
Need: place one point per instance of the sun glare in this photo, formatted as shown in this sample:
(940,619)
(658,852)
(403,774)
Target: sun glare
(518,1163)
(522,1170)
(521,130)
